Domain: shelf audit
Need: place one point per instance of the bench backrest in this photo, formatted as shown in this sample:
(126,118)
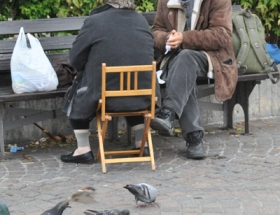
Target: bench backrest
(52,38)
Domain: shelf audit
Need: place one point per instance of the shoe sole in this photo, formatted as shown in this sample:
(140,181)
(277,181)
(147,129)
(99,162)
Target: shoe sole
(91,161)
(166,133)
(162,129)
(87,162)
(196,157)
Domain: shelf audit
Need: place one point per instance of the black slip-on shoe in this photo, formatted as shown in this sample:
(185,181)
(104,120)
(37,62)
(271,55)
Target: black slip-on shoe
(86,158)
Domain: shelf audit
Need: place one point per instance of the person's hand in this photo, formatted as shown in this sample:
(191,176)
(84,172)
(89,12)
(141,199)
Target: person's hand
(175,39)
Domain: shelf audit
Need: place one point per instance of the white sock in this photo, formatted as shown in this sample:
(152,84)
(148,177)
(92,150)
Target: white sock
(138,134)
(82,137)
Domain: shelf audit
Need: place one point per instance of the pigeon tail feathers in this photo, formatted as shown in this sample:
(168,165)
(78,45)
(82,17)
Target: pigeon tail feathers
(3,208)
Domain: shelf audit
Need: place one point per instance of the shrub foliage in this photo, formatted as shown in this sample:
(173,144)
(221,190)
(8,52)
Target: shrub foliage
(267,10)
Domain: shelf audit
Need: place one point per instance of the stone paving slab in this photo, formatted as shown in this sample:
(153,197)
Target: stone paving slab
(241,175)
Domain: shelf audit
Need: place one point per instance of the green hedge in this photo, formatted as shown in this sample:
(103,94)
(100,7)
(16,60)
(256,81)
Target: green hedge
(267,10)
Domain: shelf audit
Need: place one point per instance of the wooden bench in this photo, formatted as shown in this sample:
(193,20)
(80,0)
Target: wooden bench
(245,86)
(51,42)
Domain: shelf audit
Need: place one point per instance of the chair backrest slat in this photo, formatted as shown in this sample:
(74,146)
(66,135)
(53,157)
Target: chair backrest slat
(128,80)
(135,80)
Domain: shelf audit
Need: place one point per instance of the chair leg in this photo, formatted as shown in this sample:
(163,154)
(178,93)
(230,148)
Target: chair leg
(101,138)
(144,137)
(147,136)
(102,127)
(150,144)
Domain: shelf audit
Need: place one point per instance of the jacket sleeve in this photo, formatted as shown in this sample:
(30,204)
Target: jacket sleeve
(214,34)
(159,30)
(81,47)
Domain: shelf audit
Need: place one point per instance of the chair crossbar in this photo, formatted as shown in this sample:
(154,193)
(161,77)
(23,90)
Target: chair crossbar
(123,93)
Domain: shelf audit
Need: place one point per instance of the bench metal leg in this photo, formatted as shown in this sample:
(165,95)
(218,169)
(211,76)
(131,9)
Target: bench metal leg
(113,131)
(225,114)
(240,96)
(2,144)
(128,129)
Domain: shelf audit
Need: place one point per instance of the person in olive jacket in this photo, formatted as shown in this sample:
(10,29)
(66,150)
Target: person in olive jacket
(195,39)
(117,35)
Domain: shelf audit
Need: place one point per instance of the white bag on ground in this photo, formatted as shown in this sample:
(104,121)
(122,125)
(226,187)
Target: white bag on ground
(31,70)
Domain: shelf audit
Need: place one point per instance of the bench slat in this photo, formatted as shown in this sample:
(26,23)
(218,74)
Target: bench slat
(150,16)
(51,25)
(48,43)
(7,94)
(257,77)
(42,25)
(5,62)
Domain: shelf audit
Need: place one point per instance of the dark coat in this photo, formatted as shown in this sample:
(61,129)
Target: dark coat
(116,37)
(212,34)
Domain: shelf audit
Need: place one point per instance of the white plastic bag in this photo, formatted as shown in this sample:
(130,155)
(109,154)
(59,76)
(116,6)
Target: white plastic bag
(31,70)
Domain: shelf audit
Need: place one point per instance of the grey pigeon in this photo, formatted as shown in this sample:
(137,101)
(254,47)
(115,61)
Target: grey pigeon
(3,208)
(107,212)
(58,209)
(143,192)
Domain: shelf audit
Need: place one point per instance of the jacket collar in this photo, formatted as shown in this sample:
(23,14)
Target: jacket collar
(175,4)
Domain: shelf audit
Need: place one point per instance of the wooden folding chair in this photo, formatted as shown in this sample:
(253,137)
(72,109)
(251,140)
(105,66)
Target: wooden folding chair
(102,116)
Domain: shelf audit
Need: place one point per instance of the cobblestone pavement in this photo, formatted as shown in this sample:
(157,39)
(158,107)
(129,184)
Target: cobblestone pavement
(241,175)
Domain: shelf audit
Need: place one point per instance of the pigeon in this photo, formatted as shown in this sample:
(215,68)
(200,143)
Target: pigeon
(143,192)
(83,195)
(58,209)
(3,208)
(107,212)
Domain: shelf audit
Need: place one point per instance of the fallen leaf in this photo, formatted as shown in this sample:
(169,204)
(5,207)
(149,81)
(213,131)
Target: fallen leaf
(27,157)
(177,131)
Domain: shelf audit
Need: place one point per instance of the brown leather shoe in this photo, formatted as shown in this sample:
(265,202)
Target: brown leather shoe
(86,158)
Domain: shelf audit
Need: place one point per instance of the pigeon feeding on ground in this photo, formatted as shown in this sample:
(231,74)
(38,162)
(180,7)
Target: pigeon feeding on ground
(107,212)
(3,208)
(143,192)
(58,209)
(84,195)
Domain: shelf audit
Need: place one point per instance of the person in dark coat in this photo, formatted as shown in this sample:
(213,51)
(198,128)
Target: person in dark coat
(117,35)
(195,39)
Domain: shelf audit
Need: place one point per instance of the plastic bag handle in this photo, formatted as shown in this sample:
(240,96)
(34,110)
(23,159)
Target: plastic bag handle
(21,40)
(34,42)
